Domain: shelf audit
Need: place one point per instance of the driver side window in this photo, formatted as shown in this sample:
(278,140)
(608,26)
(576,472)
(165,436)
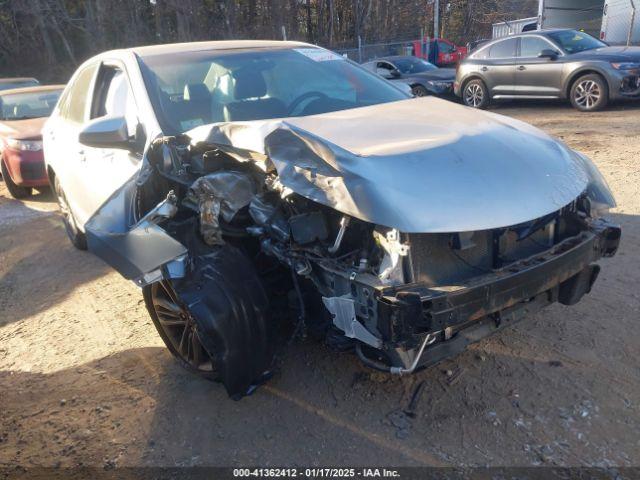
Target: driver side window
(113,97)
(385,69)
(530,47)
(386,66)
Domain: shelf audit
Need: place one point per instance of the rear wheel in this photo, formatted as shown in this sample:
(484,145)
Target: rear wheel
(178,329)
(16,191)
(419,91)
(589,93)
(78,239)
(475,94)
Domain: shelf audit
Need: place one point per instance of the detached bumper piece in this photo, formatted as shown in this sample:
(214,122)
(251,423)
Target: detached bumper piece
(453,317)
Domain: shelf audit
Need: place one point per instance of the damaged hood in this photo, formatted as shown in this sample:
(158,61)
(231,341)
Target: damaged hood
(419,165)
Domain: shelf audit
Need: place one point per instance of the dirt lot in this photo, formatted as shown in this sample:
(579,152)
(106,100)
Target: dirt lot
(85,380)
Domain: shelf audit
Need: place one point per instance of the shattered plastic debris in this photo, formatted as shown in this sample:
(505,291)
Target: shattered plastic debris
(220,194)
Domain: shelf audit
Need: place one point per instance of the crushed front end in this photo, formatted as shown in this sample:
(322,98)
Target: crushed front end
(462,287)
(367,251)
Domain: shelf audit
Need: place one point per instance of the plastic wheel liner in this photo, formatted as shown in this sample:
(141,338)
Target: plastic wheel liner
(229,305)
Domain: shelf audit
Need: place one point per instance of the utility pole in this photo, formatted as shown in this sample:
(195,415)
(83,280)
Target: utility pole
(436,18)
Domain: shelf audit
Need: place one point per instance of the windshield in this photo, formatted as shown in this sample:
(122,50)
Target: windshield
(413,65)
(197,88)
(22,106)
(572,41)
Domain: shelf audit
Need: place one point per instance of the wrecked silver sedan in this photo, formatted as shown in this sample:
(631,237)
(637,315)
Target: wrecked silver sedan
(259,191)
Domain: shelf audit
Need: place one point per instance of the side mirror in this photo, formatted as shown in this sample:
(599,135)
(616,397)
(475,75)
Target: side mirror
(548,53)
(106,132)
(395,74)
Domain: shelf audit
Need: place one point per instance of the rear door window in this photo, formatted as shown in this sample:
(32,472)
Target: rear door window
(504,49)
(73,106)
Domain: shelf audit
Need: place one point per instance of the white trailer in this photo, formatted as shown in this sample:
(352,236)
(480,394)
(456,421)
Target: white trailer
(585,15)
(621,22)
(504,29)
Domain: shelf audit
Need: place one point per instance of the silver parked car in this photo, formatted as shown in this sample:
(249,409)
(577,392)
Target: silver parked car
(259,190)
(550,64)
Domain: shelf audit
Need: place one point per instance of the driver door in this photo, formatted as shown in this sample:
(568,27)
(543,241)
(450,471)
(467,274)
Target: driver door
(535,76)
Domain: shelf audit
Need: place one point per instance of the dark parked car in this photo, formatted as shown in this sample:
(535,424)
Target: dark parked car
(423,77)
(259,190)
(551,64)
(17,82)
(23,111)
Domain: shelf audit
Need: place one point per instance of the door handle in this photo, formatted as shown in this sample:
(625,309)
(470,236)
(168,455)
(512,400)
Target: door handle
(522,67)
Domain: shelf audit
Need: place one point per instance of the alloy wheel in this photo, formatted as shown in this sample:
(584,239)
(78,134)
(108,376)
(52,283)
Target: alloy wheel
(419,91)
(588,94)
(179,327)
(473,95)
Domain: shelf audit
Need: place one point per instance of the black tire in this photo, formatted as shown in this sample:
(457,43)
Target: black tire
(178,330)
(78,239)
(16,191)
(475,94)
(420,91)
(589,93)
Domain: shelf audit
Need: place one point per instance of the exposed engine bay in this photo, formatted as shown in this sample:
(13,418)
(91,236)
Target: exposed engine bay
(247,253)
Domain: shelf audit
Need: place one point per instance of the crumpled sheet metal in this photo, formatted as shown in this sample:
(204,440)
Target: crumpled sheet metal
(419,165)
(131,250)
(220,194)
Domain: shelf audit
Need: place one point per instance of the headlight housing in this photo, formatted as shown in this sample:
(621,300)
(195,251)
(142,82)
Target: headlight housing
(598,192)
(626,66)
(24,145)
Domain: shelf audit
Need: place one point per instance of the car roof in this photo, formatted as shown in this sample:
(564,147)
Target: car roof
(541,32)
(492,42)
(17,79)
(171,48)
(39,88)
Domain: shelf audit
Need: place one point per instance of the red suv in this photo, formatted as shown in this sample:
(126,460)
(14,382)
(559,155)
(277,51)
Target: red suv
(439,51)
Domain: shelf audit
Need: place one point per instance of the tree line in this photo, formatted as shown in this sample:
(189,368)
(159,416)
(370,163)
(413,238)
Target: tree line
(49,38)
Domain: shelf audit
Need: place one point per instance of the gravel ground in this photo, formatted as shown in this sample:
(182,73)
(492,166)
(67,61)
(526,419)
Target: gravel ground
(85,379)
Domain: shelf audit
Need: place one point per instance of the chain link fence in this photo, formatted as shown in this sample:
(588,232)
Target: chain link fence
(621,22)
(364,52)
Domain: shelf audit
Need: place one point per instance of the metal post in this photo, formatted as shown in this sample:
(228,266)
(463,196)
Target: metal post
(421,54)
(284,33)
(633,21)
(436,19)
(359,49)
